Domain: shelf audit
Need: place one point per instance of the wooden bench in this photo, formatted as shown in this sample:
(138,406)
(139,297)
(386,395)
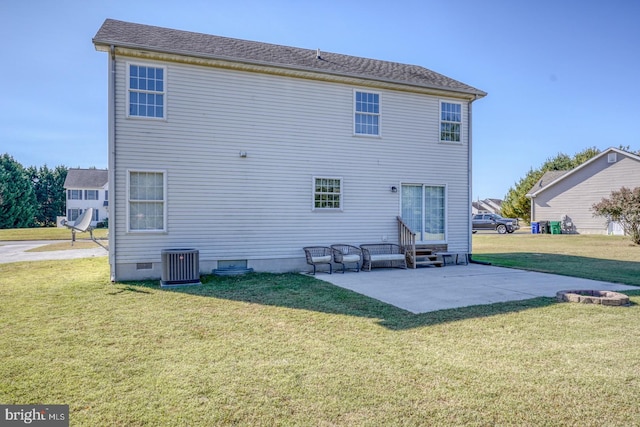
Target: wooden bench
(383,255)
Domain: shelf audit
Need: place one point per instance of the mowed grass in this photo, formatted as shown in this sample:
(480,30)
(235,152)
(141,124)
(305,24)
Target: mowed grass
(608,258)
(291,350)
(47,233)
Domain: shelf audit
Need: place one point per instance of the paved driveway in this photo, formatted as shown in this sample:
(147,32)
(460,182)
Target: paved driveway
(431,289)
(17,251)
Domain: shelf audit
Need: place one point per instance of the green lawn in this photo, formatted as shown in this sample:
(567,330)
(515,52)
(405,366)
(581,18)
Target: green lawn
(265,350)
(609,258)
(46,233)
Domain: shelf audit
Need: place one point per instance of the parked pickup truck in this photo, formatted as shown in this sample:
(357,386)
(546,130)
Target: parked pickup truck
(494,222)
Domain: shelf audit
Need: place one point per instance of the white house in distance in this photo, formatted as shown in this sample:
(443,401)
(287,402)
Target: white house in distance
(568,196)
(87,188)
(486,206)
(248,151)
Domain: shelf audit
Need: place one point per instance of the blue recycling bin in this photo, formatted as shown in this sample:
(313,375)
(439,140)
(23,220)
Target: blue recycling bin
(535,228)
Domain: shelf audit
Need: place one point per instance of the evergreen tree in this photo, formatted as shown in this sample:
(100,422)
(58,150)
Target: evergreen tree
(50,194)
(516,204)
(17,199)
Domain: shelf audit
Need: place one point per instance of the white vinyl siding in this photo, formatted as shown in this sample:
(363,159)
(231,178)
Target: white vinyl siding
(258,207)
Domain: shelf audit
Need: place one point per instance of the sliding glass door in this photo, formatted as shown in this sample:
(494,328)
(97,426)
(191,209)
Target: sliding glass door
(423,210)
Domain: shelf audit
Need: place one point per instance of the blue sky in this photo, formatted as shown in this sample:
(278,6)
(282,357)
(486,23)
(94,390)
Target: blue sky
(562,76)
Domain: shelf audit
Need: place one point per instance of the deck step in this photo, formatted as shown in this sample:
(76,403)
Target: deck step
(437,263)
(421,257)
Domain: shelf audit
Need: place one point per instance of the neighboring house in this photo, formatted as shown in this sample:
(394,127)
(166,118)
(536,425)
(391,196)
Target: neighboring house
(87,188)
(486,206)
(568,196)
(248,151)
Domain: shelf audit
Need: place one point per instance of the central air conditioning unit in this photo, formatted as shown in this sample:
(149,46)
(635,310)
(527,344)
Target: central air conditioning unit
(180,267)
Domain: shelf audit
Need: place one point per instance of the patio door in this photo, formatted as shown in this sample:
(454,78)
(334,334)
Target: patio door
(423,210)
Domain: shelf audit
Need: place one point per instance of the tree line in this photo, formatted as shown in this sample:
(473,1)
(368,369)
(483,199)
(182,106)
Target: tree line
(30,197)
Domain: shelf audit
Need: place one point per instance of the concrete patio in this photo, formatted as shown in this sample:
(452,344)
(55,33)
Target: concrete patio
(430,289)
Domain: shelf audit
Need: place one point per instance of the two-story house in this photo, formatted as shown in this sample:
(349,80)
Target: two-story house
(87,188)
(248,151)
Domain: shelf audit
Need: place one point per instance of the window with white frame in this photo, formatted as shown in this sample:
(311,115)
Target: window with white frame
(450,121)
(96,215)
(367,113)
(147,201)
(327,193)
(74,195)
(73,214)
(91,194)
(146,91)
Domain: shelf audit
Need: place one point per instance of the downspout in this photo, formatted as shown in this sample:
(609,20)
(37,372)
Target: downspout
(470,183)
(112,161)
(532,211)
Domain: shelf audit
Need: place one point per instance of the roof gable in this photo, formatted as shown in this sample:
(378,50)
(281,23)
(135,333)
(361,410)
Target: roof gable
(86,178)
(548,180)
(158,39)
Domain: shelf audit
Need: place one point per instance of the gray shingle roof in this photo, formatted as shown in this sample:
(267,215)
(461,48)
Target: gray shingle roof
(551,177)
(158,39)
(547,178)
(86,178)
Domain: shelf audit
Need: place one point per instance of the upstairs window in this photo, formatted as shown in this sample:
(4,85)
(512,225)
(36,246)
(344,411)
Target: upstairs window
(327,193)
(367,113)
(74,195)
(146,91)
(91,194)
(450,121)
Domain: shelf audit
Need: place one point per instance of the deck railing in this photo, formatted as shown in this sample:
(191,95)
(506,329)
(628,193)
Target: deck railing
(407,239)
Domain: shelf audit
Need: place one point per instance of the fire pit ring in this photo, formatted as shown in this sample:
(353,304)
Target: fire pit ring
(593,297)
